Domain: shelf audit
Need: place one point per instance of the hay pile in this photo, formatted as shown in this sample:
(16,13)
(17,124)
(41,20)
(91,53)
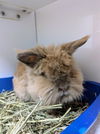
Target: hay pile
(17,117)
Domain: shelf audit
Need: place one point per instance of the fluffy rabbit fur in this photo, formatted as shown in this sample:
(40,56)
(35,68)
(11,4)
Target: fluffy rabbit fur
(49,73)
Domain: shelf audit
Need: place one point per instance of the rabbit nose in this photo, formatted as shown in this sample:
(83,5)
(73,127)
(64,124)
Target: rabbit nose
(60,89)
(63,88)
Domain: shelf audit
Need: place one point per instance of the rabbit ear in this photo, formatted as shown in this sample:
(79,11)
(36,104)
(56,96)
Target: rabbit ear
(29,58)
(72,46)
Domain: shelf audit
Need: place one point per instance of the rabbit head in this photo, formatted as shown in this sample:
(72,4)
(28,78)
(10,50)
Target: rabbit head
(56,64)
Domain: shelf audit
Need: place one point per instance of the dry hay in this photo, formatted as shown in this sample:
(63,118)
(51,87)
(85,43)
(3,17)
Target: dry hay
(17,117)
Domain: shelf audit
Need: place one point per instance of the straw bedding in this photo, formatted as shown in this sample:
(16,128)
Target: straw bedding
(17,117)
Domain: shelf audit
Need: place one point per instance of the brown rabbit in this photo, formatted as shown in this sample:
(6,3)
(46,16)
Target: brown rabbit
(49,73)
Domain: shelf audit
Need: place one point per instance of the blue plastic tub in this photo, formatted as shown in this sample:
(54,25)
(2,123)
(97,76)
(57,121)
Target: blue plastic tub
(83,123)
(6,84)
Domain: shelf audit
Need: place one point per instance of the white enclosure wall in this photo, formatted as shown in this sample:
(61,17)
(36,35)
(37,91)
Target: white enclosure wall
(14,35)
(67,20)
(59,22)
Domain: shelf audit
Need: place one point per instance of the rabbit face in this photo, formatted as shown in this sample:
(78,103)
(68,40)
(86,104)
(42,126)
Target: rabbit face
(55,65)
(57,68)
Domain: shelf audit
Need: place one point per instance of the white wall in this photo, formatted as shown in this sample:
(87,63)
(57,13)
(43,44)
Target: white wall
(67,20)
(62,21)
(14,35)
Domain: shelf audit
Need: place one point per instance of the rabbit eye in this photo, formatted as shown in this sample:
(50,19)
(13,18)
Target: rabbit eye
(42,74)
(65,65)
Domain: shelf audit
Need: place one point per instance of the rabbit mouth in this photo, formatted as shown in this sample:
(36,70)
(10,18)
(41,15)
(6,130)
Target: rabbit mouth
(63,93)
